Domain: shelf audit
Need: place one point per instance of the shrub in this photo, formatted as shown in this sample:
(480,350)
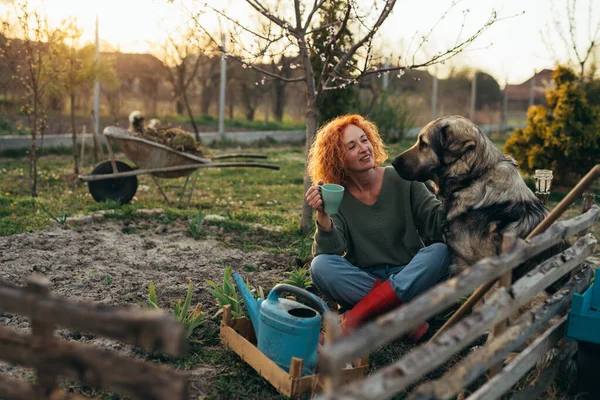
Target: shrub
(393,116)
(557,135)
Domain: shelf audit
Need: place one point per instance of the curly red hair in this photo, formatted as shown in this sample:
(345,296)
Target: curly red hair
(328,150)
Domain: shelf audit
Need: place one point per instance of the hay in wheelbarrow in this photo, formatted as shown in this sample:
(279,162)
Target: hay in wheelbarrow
(175,138)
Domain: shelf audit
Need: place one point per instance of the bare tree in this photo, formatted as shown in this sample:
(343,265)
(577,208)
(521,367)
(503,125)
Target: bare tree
(183,56)
(287,27)
(34,47)
(208,80)
(578,49)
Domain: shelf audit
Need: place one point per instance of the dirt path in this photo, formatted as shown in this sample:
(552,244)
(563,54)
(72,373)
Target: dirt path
(100,263)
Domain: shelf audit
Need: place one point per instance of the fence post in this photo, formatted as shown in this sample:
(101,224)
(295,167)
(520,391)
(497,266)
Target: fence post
(42,336)
(332,378)
(505,281)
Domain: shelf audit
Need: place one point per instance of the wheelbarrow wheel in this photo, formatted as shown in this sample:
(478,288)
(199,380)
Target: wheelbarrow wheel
(120,190)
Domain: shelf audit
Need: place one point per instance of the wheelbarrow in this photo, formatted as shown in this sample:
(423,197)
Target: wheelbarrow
(117,180)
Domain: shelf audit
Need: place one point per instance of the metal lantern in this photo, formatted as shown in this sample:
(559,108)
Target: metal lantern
(543,182)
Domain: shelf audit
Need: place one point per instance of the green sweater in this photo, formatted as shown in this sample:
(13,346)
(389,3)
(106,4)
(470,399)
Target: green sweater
(389,231)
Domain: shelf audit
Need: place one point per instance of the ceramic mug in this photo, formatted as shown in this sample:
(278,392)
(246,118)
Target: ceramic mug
(332,195)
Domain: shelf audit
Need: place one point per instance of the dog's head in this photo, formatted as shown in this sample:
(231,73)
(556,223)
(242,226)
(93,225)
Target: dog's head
(439,146)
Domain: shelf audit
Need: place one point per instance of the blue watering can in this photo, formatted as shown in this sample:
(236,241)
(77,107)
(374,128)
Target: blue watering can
(285,328)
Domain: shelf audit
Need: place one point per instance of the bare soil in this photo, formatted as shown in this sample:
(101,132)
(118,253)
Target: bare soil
(100,263)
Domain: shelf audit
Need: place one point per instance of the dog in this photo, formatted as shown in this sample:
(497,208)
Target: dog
(482,193)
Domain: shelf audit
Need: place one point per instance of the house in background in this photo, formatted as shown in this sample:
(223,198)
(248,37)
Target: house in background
(530,92)
(142,83)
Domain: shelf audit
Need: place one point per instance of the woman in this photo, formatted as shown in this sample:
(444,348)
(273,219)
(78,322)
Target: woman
(370,256)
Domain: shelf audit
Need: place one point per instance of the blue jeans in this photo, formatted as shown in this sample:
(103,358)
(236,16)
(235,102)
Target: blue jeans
(346,284)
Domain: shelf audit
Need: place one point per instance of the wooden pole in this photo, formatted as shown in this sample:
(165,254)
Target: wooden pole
(332,379)
(82,145)
(569,199)
(42,336)
(508,242)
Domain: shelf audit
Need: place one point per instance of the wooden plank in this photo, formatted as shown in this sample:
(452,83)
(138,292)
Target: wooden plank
(95,367)
(314,383)
(266,367)
(144,328)
(402,320)
(42,335)
(502,304)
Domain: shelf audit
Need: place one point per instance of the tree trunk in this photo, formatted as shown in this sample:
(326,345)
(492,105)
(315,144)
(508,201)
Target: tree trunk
(250,113)
(205,98)
(191,115)
(74,134)
(279,100)
(312,115)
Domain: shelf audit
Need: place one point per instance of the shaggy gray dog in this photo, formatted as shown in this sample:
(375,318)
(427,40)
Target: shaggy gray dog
(483,194)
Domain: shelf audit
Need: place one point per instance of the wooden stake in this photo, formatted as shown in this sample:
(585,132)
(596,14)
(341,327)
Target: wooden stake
(42,336)
(508,242)
(331,379)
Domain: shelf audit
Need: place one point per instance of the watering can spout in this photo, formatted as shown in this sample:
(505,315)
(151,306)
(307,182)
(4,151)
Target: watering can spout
(251,304)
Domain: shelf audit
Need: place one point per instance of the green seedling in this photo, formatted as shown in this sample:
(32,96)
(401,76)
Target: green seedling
(191,319)
(298,277)
(60,217)
(195,224)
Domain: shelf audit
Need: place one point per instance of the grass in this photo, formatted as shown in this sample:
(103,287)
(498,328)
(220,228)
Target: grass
(244,196)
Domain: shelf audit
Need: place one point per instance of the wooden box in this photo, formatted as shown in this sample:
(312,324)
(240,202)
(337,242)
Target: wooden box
(238,335)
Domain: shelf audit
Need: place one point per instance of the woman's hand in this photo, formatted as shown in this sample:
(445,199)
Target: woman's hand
(313,197)
(315,200)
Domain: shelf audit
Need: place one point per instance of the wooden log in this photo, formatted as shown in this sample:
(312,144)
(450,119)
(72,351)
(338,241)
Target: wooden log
(95,367)
(90,178)
(476,363)
(402,320)
(145,328)
(42,335)
(502,304)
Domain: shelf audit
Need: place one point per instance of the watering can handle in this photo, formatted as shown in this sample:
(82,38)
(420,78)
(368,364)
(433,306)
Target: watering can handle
(316,302)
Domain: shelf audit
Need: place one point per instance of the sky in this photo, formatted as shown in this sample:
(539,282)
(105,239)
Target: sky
(511,50)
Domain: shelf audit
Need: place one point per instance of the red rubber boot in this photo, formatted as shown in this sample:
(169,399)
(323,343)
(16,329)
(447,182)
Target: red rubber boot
(381,299)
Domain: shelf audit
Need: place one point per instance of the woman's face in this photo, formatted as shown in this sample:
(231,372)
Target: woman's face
(359,150)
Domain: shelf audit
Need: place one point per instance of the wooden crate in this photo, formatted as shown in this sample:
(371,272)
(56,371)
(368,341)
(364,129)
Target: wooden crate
(238,335)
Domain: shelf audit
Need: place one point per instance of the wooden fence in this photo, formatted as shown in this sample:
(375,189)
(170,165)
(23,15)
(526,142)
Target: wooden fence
(52,358)
(503,304)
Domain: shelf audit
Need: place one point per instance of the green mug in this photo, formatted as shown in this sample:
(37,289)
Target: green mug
(332,195)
